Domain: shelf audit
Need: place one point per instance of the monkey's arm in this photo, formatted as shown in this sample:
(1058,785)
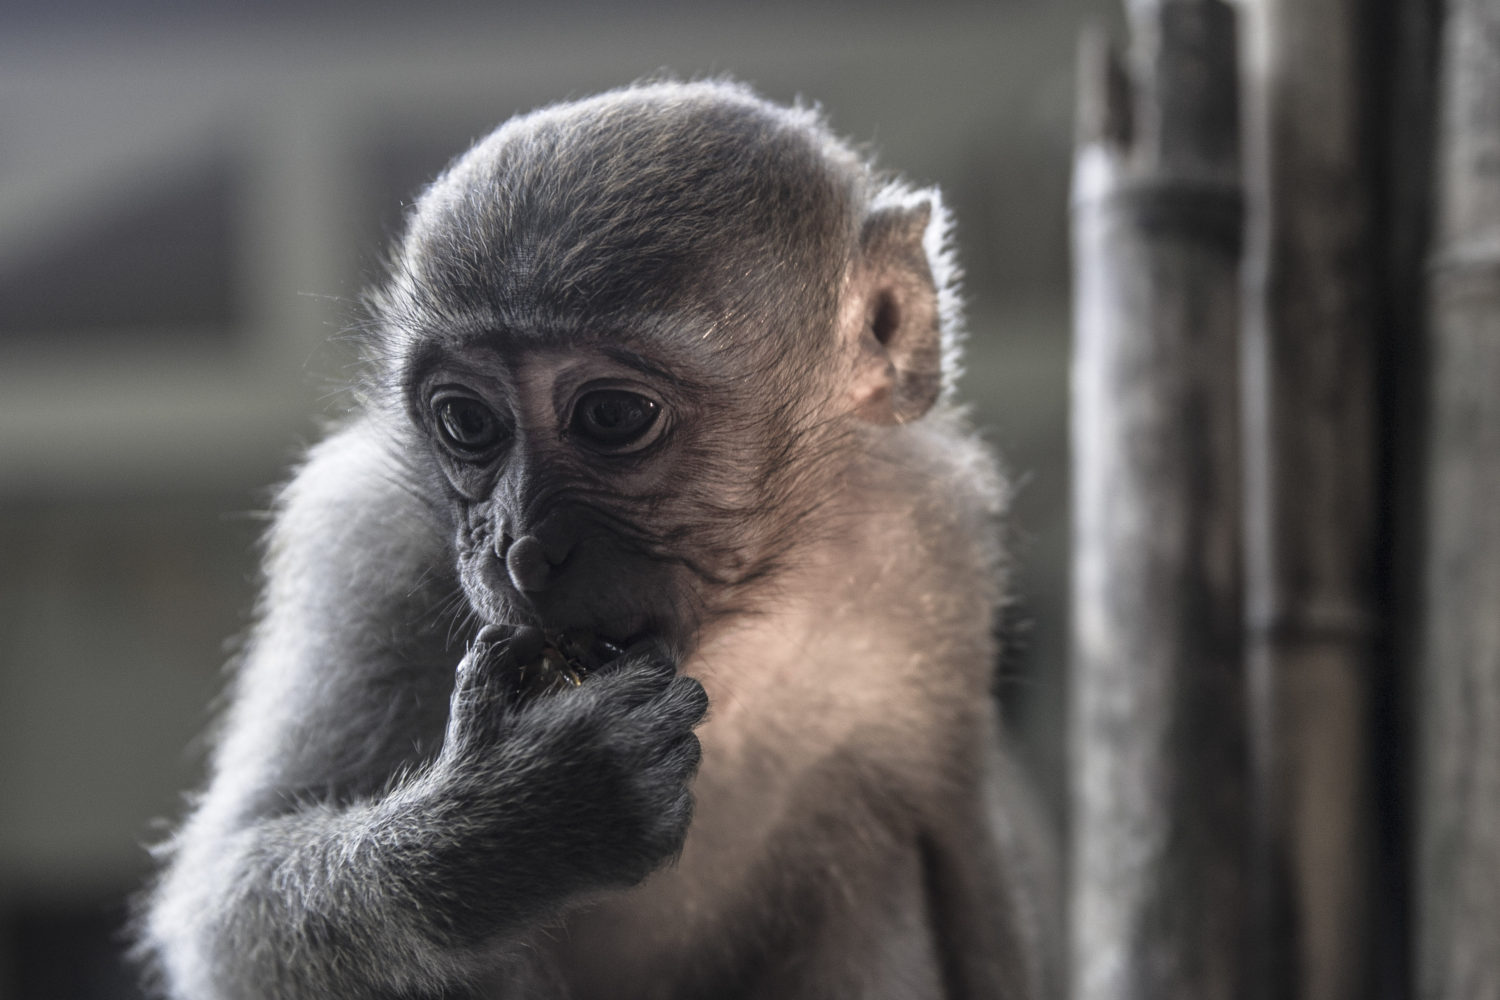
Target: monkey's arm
(358,837)
(993,881)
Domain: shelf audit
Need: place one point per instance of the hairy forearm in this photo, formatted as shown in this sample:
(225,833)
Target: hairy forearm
(307,904)
(419,891)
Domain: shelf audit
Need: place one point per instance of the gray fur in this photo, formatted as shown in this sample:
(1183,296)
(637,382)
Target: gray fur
(806,541)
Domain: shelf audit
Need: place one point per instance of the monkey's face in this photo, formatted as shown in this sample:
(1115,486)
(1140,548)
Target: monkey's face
(634,335)
(597,487)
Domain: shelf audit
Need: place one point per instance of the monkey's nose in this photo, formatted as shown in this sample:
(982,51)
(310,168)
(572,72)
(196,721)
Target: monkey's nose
(530,569)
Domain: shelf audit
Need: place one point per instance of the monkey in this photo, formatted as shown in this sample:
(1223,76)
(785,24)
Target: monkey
(632,636)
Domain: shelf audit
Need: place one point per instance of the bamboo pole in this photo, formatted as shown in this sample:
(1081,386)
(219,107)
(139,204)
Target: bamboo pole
(1158,706)
(1458,823)
(1311,496)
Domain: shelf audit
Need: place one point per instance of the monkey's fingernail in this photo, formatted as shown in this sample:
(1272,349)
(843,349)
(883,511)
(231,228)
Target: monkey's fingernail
(493,633)
(526,644)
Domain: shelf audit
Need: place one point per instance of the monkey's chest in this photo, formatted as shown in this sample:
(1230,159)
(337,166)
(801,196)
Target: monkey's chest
(807,891)
(783,934)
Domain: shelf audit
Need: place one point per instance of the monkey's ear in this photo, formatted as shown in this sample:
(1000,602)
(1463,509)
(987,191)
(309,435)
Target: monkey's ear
(890,318)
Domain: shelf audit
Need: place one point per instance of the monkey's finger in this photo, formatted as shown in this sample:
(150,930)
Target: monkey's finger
(498,666)
(486,681)
(488,643)
(493,634)
(674,820)
(633,682)
(684,704)
(525,645)
(682,757)
(481,652)
(660,731)
(650,657)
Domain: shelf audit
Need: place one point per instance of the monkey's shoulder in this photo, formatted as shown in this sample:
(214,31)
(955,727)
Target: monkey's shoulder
(359,507)
(358,560)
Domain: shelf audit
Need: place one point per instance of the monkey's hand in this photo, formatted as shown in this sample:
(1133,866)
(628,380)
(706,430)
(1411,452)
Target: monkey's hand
(533,800)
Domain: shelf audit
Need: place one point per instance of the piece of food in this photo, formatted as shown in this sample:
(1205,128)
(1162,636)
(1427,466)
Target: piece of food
(566,658)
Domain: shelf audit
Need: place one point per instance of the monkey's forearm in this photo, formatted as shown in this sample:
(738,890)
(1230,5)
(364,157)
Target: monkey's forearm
(333,902)
(418,891)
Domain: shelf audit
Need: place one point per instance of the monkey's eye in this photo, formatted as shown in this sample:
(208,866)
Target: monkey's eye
(466,426)
(615,418)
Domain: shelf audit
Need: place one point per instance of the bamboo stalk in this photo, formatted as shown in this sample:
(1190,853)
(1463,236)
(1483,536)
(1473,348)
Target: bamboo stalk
(1158,738)
(1458,822)
(1311,497)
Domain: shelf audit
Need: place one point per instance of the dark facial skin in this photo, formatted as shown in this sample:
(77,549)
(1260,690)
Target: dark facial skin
(588,487)
(549,455)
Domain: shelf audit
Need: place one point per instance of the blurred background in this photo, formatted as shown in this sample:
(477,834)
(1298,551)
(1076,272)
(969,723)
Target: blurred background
(192,195)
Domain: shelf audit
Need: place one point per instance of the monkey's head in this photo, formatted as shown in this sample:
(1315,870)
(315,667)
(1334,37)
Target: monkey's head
(639,343)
